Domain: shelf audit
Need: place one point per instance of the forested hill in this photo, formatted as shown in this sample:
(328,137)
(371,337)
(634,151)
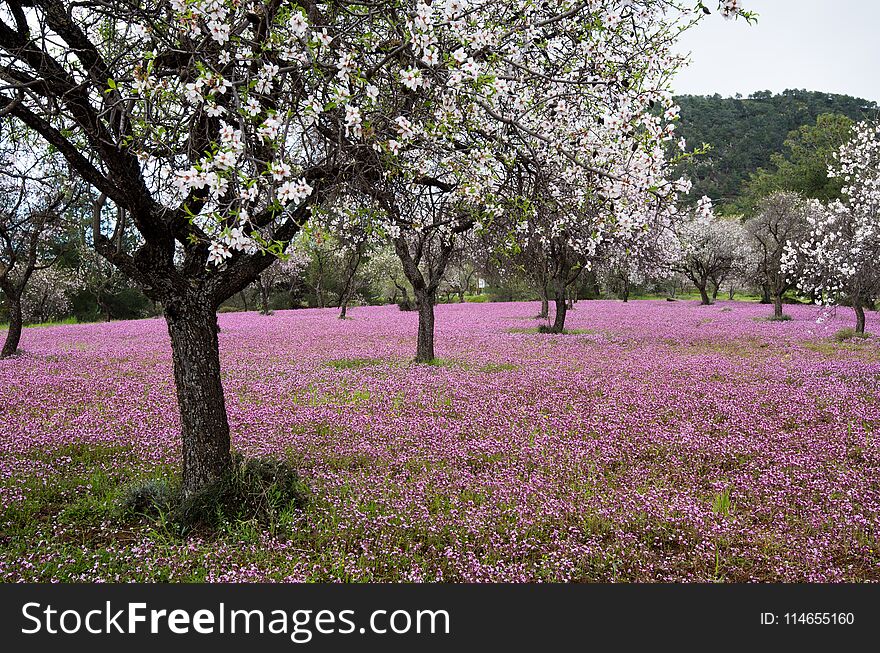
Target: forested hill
(744,132)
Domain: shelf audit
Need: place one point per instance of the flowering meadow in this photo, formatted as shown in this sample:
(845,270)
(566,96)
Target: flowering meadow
(656,441)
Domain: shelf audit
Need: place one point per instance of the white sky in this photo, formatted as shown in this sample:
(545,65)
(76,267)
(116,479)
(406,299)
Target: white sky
(817,45)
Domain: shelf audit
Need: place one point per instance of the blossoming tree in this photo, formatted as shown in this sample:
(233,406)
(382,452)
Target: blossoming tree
(780,222)
(711,247)
(33,197)
(838,258)
(215,126)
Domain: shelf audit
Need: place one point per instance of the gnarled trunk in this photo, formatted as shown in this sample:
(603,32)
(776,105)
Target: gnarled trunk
(192,325)
(425,343)
(860,316)
(13,336)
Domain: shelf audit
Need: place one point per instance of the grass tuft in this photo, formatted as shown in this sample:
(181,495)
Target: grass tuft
(257,490)
(849,334)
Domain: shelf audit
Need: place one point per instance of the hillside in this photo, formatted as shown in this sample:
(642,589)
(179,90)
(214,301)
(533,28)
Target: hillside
(744,132)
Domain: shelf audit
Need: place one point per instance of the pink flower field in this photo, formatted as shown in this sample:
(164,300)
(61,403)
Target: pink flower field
(658,441)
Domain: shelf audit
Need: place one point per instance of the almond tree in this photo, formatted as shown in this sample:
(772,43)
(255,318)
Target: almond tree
(214,126)
(780,222)
(837,260)
(711,247)
(33,199)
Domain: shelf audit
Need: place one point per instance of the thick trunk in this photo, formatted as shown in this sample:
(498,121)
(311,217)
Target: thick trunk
(731,292)
(13,336)
(777,305)
(860,316)
(765,295)
(715,288)
(704,296)
(625,293)
(244,301)
(561,309)
(343,307)
(192,325)
(425,344)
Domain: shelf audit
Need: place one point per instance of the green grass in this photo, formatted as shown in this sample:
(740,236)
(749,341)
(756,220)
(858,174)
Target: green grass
(849,334)
(354,363)
(566,332)
(67,320)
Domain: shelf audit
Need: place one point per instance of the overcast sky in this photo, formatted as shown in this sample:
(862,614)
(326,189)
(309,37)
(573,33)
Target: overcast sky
(818,45)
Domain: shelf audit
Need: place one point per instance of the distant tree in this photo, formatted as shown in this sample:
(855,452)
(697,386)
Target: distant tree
(33,199)
(47,296)
(780,222)
(710,248)
(802,167)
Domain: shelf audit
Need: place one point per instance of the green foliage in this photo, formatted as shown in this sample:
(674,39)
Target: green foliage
(802,166)
(745,132)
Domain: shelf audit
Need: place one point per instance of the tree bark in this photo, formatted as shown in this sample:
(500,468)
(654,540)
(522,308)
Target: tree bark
(625,291)
(545,302)
(704,296)
(860,316)
(561,308)
(765,294)
(192,325)
(264,296)
(425,344)
(715,288)
(777,305)
(13,336)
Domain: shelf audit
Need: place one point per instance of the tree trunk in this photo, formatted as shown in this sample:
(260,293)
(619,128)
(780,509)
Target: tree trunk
(715,288)
(13,336)
(731,292)
(244,301)
(765,294)
(425,345)
(625,291)
(264,296)
(777,305)
(192,325)
(561,308)
(545,303)
(860,316)
(704,296)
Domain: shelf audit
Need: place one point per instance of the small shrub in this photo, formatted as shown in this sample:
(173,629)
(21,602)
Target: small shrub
(228,309)
(476,299)
(257,490)
(149,499)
